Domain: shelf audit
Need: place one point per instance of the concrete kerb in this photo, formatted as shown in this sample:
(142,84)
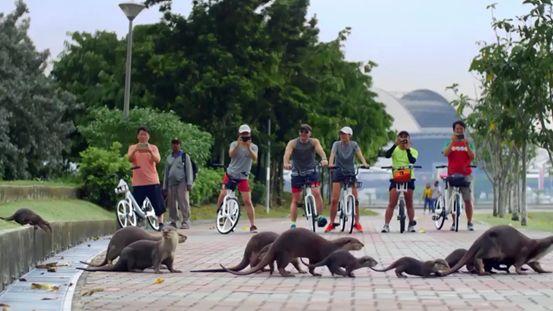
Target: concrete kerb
(25,247)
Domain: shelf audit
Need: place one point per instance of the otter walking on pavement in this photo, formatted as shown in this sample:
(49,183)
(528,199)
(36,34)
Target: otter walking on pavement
(300,242)
(145,254)
(343,263)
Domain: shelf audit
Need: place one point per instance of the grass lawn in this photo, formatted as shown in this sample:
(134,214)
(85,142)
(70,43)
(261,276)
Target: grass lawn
(208,212)
(49,183)
(56,210)
(542,221)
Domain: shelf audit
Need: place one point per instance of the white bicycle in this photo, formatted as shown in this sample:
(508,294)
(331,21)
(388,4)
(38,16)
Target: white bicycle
(401,178)
(228,213)
(454,205)
(128,211)
(346,204)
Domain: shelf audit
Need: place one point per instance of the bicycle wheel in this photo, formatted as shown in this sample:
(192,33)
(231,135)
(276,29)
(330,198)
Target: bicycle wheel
(311,207)
(401,216)
(350,213)
(150,215)
(228,216)
(457,211)
(342,215)
(125,214)
(439,214)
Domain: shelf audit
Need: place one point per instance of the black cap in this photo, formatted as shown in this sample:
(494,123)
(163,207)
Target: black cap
(403,133)
(175,141)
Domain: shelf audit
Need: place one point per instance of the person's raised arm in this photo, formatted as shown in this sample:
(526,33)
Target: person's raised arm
(288,153)
(233,149)
(130,152)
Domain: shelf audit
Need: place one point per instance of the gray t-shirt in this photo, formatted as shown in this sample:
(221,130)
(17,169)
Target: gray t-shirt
(241,164)
(344,155)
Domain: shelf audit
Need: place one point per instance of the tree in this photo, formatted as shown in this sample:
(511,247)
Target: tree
(34,127)
(516,107)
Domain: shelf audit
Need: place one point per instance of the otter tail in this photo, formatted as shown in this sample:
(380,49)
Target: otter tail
(390,267)
(94,269)
(267,259)
(90,264)
(243,264)
(468,257)
(8,218)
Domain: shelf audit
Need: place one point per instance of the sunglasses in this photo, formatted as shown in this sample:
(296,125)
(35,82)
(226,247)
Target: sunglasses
(245,138)
(304,131)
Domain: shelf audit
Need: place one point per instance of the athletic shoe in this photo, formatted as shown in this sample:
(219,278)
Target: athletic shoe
(385,229)
(293,226)
(253,229)
(452,228)
(329,228)
(411,227)
(358,227)
(174,224)
(470,226)
(184,225)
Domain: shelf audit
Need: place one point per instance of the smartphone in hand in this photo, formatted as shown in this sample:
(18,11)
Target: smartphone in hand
(143,147)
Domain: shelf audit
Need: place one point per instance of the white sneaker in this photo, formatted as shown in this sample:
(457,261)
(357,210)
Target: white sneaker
(385,229)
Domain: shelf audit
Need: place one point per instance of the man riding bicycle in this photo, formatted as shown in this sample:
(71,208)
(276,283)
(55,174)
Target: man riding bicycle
(459,157)
(242,153)
(402,155)
(302,151)
(342,157)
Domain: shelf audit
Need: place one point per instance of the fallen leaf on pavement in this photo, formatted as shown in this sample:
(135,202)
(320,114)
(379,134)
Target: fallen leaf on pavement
(92,291)
(159,281)
(44,286)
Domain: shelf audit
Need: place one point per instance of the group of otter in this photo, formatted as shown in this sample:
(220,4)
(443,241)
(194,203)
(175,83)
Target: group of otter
(498,248)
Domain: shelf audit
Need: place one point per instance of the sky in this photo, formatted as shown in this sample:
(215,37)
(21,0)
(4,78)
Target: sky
(416,43)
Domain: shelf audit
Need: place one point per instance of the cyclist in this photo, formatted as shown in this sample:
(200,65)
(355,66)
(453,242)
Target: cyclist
(459,156)
(302,152)
(342,157)
(402,155)
(242,153)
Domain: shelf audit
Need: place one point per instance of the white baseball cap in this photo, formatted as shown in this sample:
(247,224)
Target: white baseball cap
(244,128)
(346,130)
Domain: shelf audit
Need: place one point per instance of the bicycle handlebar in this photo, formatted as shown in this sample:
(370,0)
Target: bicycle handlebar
(444,166)
(409,166)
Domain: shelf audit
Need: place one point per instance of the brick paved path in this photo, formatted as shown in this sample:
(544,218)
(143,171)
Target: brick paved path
(206,248)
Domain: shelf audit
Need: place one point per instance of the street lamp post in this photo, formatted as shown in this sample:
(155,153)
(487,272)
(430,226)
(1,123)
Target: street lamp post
(131,10)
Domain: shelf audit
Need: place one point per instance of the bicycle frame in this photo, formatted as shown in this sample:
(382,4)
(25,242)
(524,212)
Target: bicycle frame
(131,200)
(309,194)
(230,195)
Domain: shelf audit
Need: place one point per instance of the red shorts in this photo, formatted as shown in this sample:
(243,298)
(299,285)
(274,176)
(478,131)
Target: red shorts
(242,184)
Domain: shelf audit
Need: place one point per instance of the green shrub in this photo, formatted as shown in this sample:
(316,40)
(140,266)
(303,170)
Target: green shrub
(258,192)
(207,186)
(108,126)
(100,171)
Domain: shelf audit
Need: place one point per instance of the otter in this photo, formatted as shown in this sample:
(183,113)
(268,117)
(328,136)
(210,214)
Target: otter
(343,259)
(414,266)
(144,254)
(489,264)
(125,236)
(300,242)
(255,249)
(24,216)
(506,244)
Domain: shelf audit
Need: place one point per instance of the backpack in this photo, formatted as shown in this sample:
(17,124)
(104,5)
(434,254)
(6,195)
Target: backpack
(194,166)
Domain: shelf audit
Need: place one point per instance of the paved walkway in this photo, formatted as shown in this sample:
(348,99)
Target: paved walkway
(206,248)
